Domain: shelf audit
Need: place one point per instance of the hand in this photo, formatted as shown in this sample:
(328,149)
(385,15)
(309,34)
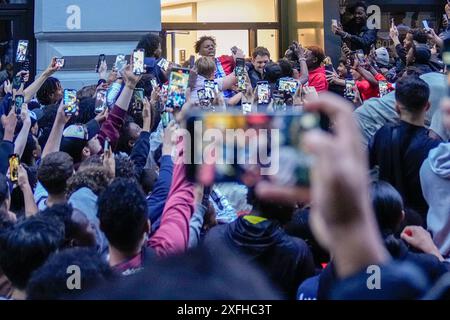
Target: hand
(25,114)
(393,33)
(332,76)
(109,162)
(103,70)
(239,54)
(9,123)
(357,101)
(131,80)
(7,87)
(298,99)
(112,77)
(420,238)
(219,101)
(22,180)
(338,30)
(61,117)
(102,116)
(52,68)
(154,98)
(310,94)
(346,50)
(18,92)
(147,115)
(25,75)
(169,139)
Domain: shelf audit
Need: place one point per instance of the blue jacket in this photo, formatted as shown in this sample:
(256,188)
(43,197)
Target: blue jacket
(157,199)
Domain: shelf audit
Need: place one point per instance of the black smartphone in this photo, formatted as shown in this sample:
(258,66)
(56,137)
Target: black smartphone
(178,84)
(18,102)
(14,163)
(360,55)
(138,95)
(238,157)
(100,101)
(349,92)
(138,61)
(263,92)
(70,101)
(22,51)
(101,58)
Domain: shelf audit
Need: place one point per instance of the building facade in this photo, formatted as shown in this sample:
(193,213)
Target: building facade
(80,30)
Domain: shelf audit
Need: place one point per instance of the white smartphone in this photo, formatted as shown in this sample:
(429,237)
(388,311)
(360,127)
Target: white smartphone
(425,25)
(334,22)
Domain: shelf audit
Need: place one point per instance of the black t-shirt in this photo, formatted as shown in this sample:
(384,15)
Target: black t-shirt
(413,145)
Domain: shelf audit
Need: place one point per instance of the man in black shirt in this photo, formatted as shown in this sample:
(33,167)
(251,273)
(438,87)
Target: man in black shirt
(400,149)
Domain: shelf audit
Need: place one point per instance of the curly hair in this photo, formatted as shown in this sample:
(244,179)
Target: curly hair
(200,41)
(54,171)
(125,167)
(93,177)
(122,211)
(49,87)
(150,43)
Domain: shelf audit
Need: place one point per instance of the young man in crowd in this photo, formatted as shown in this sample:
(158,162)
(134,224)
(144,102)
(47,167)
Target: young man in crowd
(399,150)
(256,69)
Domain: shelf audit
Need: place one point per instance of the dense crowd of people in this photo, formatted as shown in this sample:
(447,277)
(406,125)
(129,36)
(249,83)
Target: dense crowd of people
(103,188)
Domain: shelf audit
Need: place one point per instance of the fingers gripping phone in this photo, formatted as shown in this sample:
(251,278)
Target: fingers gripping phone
(178,84)
(138,61)
(14,163)
(70,102)
(263,92)
(101,58)
(60,62)
(18,102)
(240,74)
(100,101)
(22,51)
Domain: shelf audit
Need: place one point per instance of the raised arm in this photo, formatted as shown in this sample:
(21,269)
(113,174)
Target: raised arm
(172,237)
(24,185)
(9,123)
(54,139)
(31,90)
(21,140)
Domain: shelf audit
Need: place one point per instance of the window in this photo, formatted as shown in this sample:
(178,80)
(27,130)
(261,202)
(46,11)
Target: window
(310,22)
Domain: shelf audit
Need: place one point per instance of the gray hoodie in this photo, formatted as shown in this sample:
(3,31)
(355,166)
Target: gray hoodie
(435,181)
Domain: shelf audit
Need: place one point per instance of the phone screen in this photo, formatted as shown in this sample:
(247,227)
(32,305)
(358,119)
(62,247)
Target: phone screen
(100,101)
(120,62)
(163,64)
(60,62)
(18,102)
(360,55)
(178,84)
(16,82)
(349,91)
(138,62)
(154,83)
(106,145)
(138,99)
(425,25)
(334,22)
(14,162)
(251,147)
(22,51)
(383,88)
(288,85)
(70,101)
(204,99)
(263,92)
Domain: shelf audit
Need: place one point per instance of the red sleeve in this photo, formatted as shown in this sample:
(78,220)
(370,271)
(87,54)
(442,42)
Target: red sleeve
(112,125)
(319,81)
(363,86)
(228,64)
(172,237)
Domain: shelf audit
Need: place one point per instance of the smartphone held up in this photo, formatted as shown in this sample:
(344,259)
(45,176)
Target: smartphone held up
(70,102)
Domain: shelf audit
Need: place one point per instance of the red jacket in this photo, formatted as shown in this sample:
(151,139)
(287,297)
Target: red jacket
(318,79)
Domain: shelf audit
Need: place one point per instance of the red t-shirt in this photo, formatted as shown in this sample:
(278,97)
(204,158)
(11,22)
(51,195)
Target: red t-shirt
(368,91)
(318,79)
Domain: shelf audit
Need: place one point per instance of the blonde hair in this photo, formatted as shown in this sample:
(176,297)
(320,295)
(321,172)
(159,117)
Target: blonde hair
(205,66)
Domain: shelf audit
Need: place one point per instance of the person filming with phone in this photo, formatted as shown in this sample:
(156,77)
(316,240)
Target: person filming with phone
(356,33)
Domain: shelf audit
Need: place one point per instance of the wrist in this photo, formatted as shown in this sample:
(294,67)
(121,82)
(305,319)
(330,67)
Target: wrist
(8,135)
(130,86)
(166,150)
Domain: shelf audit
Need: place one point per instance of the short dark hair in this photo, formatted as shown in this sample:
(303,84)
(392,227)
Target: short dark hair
(358,4)
(260,51)
(419,35)
(49,282)
(412,93)
(62,212)
(150,43)
(49,87)
(273,72)
(125,137)
(30,146)
(54,170)
(200,41)
(93,177)
(122,210)
(388,206)
(287,69)
(125,167)
(27,245)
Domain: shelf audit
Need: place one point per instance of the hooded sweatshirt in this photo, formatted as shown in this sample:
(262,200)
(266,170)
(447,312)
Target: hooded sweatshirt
(285,259)
(435,181)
